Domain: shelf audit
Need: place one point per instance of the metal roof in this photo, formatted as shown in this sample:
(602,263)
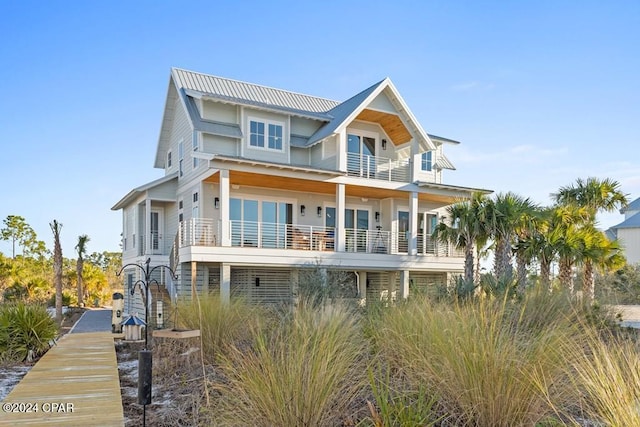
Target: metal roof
(633,206)
(237,91)
(631,222)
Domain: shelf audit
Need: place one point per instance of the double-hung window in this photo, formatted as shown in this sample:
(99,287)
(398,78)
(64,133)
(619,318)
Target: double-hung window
(427,160)
(266,134)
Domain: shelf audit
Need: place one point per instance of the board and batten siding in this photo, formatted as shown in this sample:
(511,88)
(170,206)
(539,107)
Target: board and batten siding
(630,241)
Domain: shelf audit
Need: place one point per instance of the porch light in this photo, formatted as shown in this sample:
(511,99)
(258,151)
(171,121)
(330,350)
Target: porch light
(319,211)
(384,144)
(216,202)
(377,215)
(302,209)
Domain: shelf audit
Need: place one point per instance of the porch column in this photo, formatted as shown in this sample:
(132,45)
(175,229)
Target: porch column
(225,283)
(404,284)
(295,288)
(413,223)
(147,226)
(194,277)
(362,287)
(225,235)
(340,205)
(391,286)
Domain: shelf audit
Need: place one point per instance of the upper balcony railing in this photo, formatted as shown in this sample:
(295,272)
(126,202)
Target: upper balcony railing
(365,166)
(158,245)
(252,234)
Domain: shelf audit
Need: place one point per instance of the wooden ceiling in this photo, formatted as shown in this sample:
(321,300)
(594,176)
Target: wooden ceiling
(249,179)
(391,124)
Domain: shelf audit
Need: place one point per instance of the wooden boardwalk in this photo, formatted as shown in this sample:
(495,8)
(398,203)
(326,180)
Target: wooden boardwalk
(75,383)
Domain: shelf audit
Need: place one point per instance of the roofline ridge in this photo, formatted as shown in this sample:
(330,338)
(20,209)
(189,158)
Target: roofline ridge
(257,85)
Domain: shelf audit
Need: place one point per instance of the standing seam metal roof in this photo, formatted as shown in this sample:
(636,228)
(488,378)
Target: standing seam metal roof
(248,92)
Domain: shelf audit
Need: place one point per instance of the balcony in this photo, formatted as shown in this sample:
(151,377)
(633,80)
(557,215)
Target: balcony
(250,234)
(159,245)
(381,168)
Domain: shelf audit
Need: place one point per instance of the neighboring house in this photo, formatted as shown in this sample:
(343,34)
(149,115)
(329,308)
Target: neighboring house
(261,184)
(628,232)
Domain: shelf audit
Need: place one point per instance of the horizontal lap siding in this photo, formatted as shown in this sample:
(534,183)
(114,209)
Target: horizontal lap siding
(273,286)
(427,283)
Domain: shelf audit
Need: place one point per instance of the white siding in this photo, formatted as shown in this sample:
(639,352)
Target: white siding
(263,153)
(304,127)
(220,145)
(382,103)
(181,130)
(630,241)
(219,112)
(300,156)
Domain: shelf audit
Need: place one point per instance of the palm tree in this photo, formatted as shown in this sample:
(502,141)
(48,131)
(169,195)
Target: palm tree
(503,216)
(81,249)
(463,230)
(598,250)
(595,196)
(57,267)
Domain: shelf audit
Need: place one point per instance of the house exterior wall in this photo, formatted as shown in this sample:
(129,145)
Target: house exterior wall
(265,154)
(215,144)
(630,240)
(219,112)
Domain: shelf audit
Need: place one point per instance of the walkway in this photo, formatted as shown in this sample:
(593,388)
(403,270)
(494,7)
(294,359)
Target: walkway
(75,383)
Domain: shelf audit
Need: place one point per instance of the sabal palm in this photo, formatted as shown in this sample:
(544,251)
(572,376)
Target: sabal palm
(600,252)
(81,249)
(595,196)
(462,230)
(503,216)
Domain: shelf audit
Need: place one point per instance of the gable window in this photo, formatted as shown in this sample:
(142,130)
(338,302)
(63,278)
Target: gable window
(266,134)
(427,160)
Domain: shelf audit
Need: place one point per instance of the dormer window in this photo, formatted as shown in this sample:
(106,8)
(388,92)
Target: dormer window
(427,161)
(266,134)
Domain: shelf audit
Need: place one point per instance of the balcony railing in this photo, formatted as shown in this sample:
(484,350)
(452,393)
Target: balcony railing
(158,245)
(365,166)
(252,234)
(281,236)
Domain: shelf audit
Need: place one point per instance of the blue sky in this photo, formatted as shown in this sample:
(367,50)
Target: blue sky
(539,93)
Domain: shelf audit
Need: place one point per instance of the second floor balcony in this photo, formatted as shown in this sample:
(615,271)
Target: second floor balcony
(251,234)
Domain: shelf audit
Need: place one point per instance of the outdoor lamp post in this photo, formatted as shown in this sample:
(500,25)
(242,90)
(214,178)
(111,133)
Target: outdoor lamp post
(144,356)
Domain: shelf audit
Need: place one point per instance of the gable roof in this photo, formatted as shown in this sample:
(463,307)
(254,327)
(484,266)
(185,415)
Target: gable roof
(133,194)
(235,91)
(631,222)
(188,85)
(633,206)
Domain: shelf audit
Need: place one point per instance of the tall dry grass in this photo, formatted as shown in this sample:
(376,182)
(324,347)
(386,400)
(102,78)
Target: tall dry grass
(221,325)
(305,371)
(491,363)
(606,373)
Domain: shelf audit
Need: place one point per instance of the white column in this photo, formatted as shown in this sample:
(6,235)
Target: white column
(413,223)
(147,226)
(225,283)
(404,284)
(340,205)
(362,287)
(225,238)
(416,160)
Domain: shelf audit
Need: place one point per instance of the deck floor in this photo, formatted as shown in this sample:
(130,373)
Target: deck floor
(74,383)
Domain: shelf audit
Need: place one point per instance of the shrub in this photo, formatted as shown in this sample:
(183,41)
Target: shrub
(220,325)
(304,372)
(24,328)
(484,371)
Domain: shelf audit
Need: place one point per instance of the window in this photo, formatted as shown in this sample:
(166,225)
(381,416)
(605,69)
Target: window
(195,197)
(168,159)
(260,131)
(181,156)
(427,163)
(195,145)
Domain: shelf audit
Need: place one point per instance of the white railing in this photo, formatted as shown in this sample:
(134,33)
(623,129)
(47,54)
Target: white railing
(365,166)
(281,236)
(253,234)
(197,232)
(159,245)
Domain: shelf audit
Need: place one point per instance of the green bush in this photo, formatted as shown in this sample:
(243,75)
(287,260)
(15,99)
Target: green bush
(24,328)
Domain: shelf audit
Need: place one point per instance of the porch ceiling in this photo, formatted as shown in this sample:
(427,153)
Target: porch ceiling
(391,123)
(249,179)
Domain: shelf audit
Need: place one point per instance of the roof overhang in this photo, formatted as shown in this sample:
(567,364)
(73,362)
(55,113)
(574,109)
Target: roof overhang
(137,192)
